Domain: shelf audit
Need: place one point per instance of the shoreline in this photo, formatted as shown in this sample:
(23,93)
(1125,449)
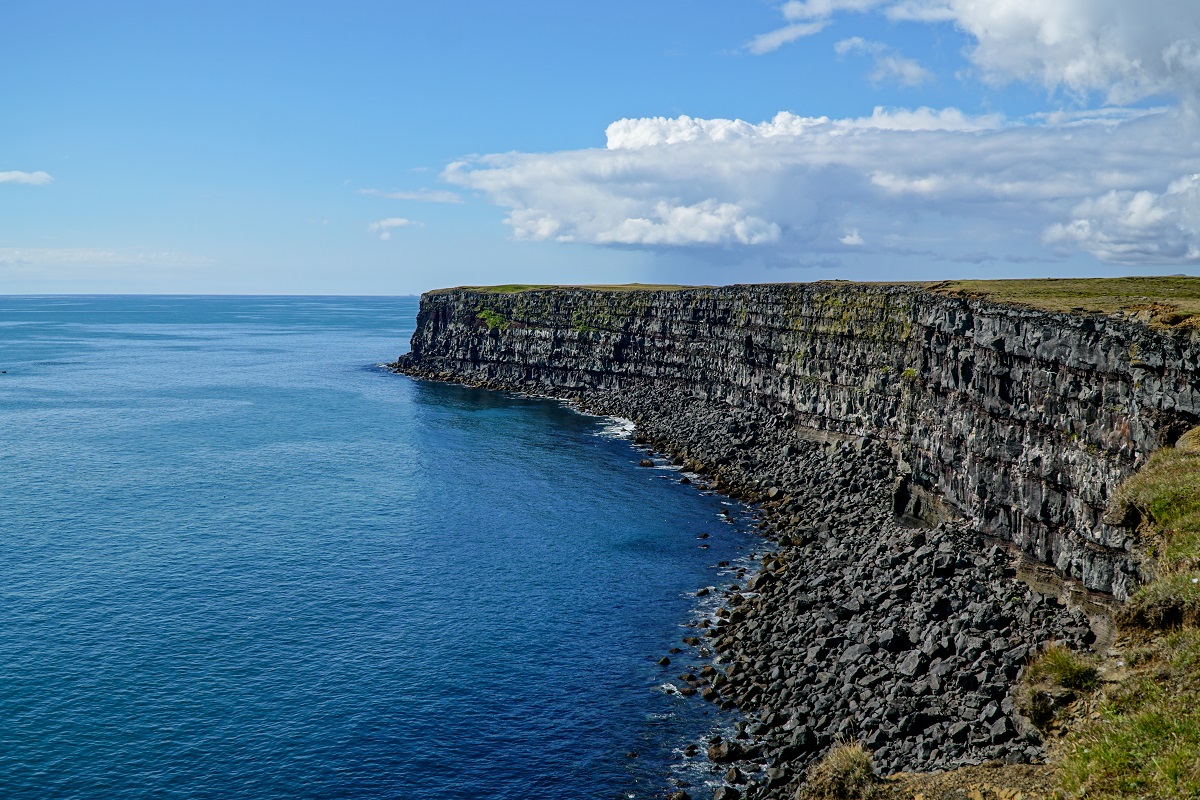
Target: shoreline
(809,660)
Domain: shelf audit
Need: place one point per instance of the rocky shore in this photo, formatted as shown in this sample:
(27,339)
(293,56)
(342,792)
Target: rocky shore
(909,448)
(860,625)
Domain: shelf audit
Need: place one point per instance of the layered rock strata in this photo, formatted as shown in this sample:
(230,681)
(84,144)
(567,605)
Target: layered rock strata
(1020,422)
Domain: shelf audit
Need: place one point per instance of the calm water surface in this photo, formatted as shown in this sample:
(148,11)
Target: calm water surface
(241,561)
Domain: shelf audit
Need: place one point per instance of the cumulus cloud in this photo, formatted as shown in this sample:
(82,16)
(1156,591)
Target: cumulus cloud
(890,66)
(384,227)
(1122,50)
(38,178)
(909,180)
(420,195)
(635,134)
(1137,227)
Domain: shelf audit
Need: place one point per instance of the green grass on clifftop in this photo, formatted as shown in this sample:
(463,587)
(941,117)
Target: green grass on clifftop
(515,288)
(1159,301)
(1164,300)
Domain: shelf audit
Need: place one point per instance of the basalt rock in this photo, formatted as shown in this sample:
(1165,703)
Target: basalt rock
(1020,421)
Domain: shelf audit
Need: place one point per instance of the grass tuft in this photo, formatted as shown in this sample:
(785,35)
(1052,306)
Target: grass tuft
(1052,683)
(847,772)
(1164,604)
(1065,668)
(494,319)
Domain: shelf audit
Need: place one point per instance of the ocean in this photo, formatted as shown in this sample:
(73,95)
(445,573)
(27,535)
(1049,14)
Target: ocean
(242,560)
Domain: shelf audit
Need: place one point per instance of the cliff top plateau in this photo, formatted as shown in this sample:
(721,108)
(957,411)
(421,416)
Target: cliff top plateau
(1165,301)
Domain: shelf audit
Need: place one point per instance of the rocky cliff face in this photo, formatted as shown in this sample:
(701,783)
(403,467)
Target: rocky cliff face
(1019,421)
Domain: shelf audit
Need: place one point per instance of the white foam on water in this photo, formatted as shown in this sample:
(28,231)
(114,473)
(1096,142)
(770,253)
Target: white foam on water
(615,428)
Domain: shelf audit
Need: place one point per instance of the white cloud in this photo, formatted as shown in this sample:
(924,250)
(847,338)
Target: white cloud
(384,227)
(636,134)
(1125,51)
(923,179)
(922,119)
(38,178)
(890,66)
(821,9)
(706,222)
(33,258)
(773,40)
(805,19)
(1137,227)
(420,195)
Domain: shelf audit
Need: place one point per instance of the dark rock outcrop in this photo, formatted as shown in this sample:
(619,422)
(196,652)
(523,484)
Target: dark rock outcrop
(1018,420)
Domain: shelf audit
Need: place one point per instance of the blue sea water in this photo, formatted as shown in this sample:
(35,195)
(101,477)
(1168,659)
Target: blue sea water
(240,560)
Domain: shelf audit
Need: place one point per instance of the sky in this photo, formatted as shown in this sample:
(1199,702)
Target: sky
(365,147)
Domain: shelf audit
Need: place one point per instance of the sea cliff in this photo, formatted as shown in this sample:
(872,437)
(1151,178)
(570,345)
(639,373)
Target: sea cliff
(1018,420)
(851,412)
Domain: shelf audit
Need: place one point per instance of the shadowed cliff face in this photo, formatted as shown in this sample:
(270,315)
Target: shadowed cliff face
(1021,421)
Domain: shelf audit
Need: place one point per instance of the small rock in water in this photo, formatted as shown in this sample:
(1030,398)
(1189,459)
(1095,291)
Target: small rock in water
(664,661)
(645,462)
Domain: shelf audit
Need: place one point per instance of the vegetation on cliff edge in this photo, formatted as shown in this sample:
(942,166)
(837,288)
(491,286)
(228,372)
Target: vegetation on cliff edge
(1130,723)
(517,288)
(1166,301)
(1142,735)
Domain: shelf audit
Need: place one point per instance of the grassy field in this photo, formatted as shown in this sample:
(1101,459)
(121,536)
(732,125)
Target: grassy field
(515,288)
(1169,300)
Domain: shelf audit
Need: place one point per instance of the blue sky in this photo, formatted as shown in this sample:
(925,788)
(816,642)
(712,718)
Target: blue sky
(393,147)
